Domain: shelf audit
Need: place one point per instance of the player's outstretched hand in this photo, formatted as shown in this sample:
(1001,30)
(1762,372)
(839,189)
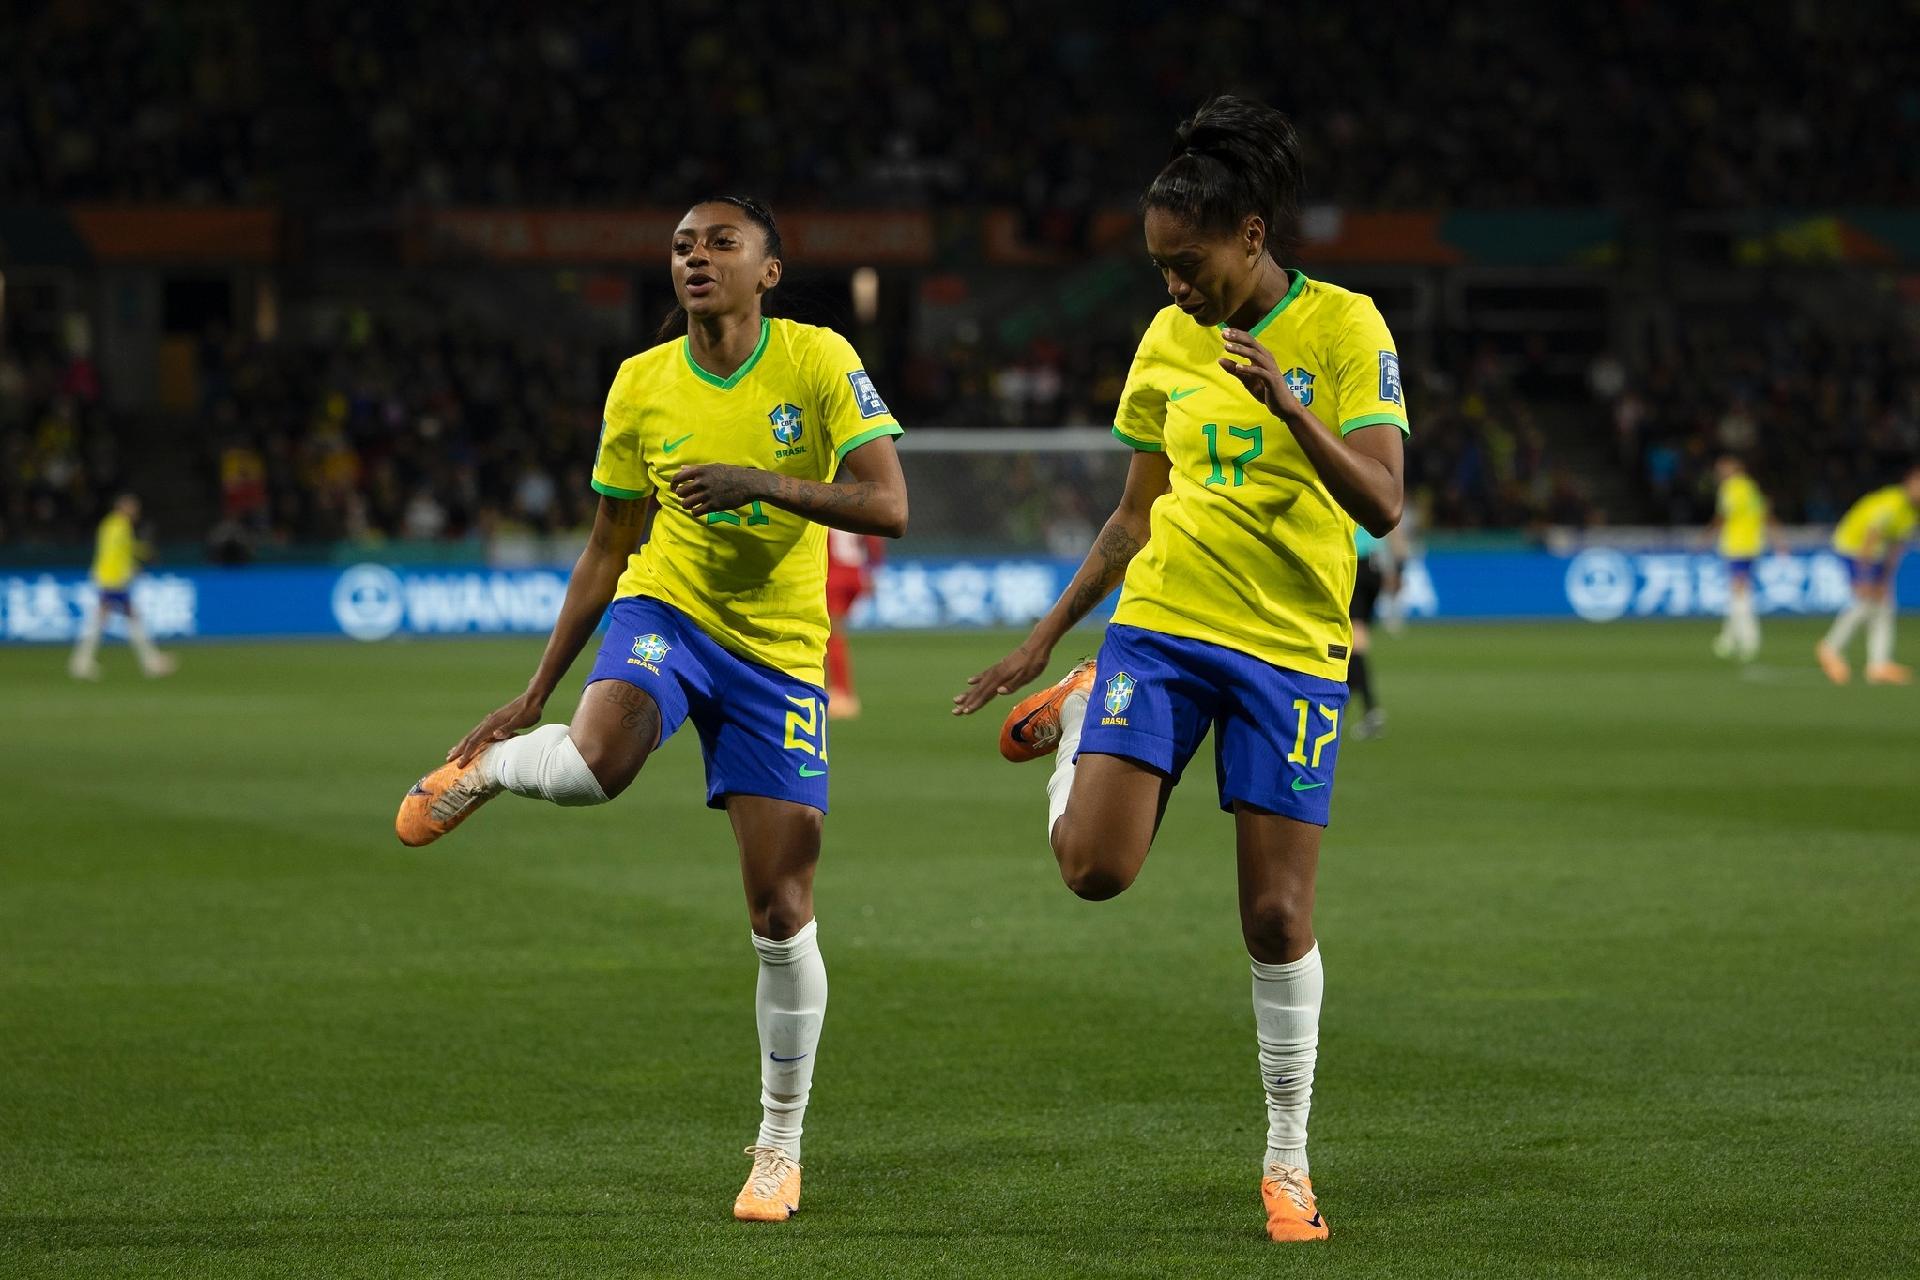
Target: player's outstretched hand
(522,713)
(717,486)
(1260,375)
(1004,676)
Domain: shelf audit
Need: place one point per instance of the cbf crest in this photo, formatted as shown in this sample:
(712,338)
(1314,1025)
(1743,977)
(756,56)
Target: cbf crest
(1300,382)
(650,651)
(1119,693)
(786,423)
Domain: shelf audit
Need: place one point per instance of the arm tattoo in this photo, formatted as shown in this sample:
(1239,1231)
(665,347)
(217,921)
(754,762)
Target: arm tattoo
(625,512)
(1116,548)
(839,498)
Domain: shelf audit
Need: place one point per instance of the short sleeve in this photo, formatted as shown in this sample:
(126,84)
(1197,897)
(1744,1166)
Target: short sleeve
(1366,372)
(1141,420)
(620,463)
(851,408)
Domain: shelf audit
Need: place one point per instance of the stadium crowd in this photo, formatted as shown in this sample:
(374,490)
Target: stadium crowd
(1818,419)
(371,435)
(59,448)
(1046,104)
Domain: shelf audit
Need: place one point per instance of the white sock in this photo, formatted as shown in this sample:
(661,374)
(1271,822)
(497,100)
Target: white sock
(1286,1014)
(543,764)
(142,646)
(1843,626)
(1073,717)
(789,1004)
(1745,623)
(1880,634)
(87,647)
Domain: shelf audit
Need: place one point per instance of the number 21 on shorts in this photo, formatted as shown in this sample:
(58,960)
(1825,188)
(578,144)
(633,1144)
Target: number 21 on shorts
(807,727)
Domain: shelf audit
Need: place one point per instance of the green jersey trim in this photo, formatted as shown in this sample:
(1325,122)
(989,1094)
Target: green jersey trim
(612,492)
(1299,284)
(728,384)
(872,433)
(1374,420)
(1144,446)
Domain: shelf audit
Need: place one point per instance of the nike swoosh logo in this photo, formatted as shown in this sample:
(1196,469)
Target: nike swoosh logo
(777,1058)
(1314,1221)
(417,790)
(809,772)
(1022,723)
(1300,784)
(671,445)
(1182,394)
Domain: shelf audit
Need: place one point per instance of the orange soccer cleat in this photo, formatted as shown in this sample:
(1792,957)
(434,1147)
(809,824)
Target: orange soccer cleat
(772,1193)
(1292,1212)
(1833,664)
(1032,729)
(1889,673)
(442,801)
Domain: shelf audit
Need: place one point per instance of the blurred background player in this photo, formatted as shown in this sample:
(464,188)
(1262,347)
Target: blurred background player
(850,561)
(719,617)
(117,555)
(1873,535)
(1266,417)
(1742,519)
(1376,580)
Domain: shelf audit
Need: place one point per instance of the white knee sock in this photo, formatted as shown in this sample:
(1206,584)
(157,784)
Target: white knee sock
(142,646)
(1073,717)
(543,764)
(1843,626)
(1286,1014)
(1880,634)
(789,1003)
(1744,623)
(87,647)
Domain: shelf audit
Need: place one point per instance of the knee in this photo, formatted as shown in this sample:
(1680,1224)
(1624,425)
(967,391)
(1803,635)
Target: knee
(781,910)
(614,765)
(1083,868)
(780,906)
(1278,923)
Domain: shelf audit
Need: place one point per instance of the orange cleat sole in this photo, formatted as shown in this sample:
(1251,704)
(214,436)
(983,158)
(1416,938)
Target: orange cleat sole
(1032,728)
(440,802)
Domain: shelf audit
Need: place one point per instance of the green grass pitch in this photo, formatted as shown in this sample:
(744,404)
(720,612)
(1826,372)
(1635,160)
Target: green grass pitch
(1622,969)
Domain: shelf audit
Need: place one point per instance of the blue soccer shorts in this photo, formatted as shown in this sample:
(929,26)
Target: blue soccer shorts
(762,732)
(1277,732)
(1866,573)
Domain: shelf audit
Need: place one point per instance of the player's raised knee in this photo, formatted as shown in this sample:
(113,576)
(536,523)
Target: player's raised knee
(1088,864)
(613,761)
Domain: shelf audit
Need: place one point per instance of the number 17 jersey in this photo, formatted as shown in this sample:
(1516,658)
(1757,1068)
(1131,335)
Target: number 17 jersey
(1248,548)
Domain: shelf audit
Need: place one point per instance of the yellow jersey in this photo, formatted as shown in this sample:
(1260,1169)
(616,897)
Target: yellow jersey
(1248,549)
(1876,524)
(115,553)
(1743,517)
(754,579)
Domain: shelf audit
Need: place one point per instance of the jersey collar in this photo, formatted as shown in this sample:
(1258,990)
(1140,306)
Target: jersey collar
(1293,291)
(728,384)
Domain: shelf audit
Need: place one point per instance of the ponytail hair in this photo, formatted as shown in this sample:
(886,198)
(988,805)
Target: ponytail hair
(675,325)
(1234,158)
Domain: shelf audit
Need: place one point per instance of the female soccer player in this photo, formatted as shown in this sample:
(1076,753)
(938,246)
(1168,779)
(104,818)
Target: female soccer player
(1266,416)
(1377,572)
(753,436)
(1873,536)
(1742,520)
(116,563)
